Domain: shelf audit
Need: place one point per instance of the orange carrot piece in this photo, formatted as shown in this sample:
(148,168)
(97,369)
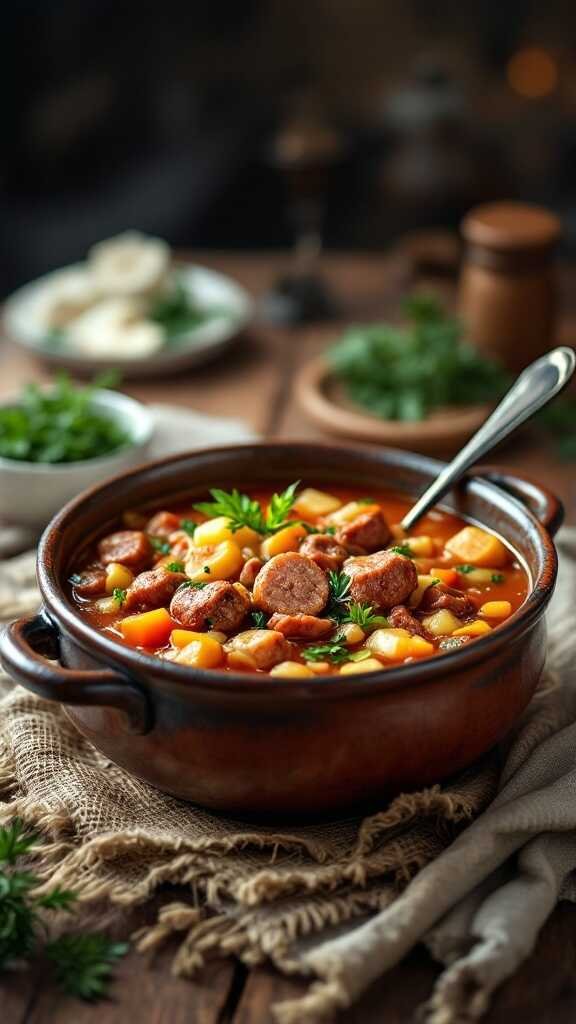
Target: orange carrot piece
(448,576)
(148,629)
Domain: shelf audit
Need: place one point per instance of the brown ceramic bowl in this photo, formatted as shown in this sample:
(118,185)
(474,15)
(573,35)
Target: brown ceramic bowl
(256,745)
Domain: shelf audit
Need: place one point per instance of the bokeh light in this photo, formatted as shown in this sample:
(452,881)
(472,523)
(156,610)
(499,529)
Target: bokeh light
(532,73)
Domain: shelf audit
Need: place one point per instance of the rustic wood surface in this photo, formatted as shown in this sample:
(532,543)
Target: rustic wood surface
(255,381)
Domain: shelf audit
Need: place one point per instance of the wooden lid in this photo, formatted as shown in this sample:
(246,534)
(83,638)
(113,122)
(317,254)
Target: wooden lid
(511,226)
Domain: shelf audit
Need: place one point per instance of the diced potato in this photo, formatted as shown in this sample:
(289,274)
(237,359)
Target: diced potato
(418,593)
(397,645)
(215,531)
(182,637)
(351,511)
(448,576)
(148,629)
(288,539)
(291,670)
(476,628)
(352,668)
(216,634)
(351,633)
(202,652)
(319,668)
(214,563)
(107,605)
(496,609)
(441,623)
(477,547)
(240,662)
(118,577)
(311,503)
(478,575)
(422,547)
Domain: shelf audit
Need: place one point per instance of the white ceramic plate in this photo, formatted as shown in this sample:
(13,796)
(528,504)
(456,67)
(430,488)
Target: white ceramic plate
(232,307)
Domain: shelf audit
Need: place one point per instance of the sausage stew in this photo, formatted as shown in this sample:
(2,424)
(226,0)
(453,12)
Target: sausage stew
(296,584)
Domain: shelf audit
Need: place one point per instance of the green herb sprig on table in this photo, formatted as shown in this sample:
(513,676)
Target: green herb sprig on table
(177,313)
(244,511)
(405,372)
(83,961)
(58,425)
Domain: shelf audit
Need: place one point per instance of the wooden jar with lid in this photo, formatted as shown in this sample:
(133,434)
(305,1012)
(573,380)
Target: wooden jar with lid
(507,292)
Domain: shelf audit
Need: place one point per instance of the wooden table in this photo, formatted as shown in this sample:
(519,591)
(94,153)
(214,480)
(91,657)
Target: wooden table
(254,382)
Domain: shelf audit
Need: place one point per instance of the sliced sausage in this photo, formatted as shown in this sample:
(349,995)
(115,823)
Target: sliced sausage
(130,547)
(440,596)
(153,589)
(92,582)
(401,618)
(218,605)
(163,524)
(305,627)
(368,532)
(383,579)
(291,583)
(250,571)
(264,647)
(324,550)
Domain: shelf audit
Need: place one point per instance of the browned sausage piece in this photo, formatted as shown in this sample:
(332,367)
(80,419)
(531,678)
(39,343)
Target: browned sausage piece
(306,627)
(291,583)
(130,547)
(92,581)
(265,647)
(153,588)
(218,605)
(250,571)
(382,579)
(368,532)
(401,618)
(324,550)
(163,524)
(441,596)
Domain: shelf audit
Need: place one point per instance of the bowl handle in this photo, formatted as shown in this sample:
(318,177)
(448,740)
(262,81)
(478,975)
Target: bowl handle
(25,647)
(545,506)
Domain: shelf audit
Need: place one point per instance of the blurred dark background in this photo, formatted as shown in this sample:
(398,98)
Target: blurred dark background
(190,120)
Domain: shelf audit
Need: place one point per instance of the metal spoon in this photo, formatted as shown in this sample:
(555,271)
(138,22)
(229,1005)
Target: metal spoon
(534,388)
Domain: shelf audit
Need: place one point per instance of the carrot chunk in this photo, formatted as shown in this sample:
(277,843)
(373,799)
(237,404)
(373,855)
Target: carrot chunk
(148,629)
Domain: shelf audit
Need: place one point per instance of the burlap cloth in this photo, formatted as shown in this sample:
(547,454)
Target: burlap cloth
(341,902)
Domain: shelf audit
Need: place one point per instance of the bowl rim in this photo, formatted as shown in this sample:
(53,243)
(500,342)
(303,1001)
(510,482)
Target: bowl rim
(212,682)
(140,428)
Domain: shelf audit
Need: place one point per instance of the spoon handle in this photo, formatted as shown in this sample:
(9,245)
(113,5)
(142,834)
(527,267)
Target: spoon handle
(534,388)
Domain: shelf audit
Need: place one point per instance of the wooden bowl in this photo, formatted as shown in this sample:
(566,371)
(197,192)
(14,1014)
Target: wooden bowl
(259,745)
(323,399)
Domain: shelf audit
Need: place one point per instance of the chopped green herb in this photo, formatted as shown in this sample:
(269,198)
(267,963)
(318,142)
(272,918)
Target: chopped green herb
(331,530)
(339,583)
(259,619)
(365,501)
(58,425)
(206,569)
(363,615)
(242,510)
(465,569)
(175,567)
(497,577)
(360,655)
(119,595)
(335,652)
(159,545)
(189,526)
(190,583)
(402,549)
(405,372)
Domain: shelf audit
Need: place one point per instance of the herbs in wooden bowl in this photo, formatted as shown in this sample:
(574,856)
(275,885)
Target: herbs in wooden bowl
(414,385)
(57,441)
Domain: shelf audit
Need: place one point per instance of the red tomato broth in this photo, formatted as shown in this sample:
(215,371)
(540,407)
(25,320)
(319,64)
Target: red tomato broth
(438,524)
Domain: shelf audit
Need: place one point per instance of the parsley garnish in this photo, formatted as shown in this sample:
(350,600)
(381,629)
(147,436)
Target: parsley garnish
(339,584)
(160,545)
(206,569)
(497,577)
(191,583)
(363,615)
(82,961)
(189,526)
(175,567)
(119,595)
(402,549)
(335,652)
(331,530)
(242,510)
(259,619)
(365,501)
(465,569)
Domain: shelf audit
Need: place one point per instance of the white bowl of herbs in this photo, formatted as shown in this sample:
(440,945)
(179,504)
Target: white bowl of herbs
(56,441)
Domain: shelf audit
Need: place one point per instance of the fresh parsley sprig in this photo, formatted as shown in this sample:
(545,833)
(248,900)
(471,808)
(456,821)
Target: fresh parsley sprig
(83,961)
(363,615)
(242,510)
(402,549)
(339,599)
(259,619)
(335,652)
